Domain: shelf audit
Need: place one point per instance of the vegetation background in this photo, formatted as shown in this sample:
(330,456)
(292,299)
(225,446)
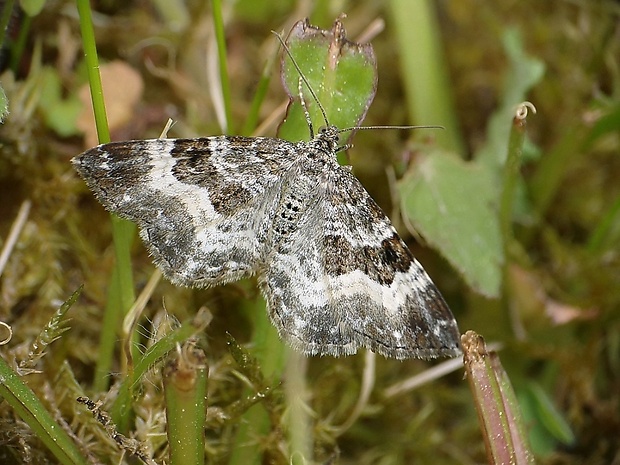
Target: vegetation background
(550,297)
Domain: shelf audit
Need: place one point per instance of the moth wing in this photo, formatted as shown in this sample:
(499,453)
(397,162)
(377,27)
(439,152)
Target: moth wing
(344,279)
(203,206)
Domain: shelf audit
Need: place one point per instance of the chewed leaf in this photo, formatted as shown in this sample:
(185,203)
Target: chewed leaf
(342,74)
(450,202)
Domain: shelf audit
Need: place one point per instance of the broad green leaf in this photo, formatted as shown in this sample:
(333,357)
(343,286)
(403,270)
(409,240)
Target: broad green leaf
(342,74)
(450,203)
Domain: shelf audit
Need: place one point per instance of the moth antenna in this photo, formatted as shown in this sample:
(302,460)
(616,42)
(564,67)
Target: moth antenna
(302,100)
(364,128)
(301,75)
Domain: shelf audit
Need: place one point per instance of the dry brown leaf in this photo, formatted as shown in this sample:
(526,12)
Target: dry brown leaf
(122,90)
(532,300)
(560,313)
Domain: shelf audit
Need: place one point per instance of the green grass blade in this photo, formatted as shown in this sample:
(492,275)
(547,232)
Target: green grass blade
(424,72)
(92,67)
(220,37)
(121,284)
(259,96)
(271,354)
(28,406)
(5,17)
(121,409)
(30,409)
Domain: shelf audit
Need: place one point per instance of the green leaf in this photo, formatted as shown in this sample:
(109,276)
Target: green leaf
(342,74)
(60,114)
(450,202)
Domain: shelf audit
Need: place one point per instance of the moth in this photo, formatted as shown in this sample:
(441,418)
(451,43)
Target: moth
(334,272)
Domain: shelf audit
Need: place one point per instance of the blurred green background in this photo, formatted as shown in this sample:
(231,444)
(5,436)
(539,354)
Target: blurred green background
(547,288)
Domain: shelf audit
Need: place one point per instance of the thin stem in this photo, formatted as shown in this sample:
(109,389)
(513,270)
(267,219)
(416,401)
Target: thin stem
(220,37)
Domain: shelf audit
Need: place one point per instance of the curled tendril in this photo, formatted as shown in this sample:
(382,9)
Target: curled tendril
(522,110)
(9,331)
